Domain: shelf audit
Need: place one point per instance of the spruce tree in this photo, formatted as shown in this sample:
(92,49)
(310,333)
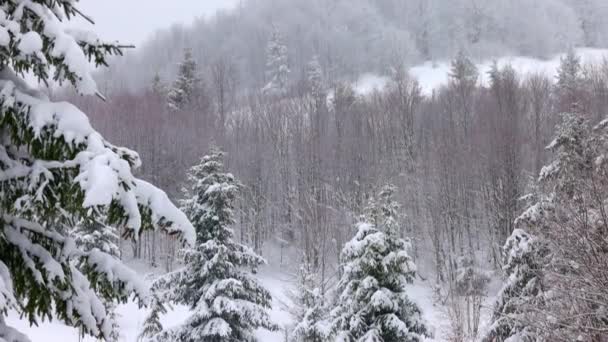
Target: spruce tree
(524,257)
(186,86)
(372,302)
(568,215)
(383,211)
(55,169)
(158,88)
(277,65)
(227,302)
(310,312)
(570,82)
(152,329)
(96,234)
(114,326)
(315,78)
(463,72)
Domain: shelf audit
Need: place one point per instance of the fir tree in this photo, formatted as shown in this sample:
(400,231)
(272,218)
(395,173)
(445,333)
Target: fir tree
(228,304)
(568,215)
(310,312)
(463,71)
(96,234)
(524,257)
(114,326)
(55,169)
(469,280)
(186,86)
(277,65)
(158,88)
(315,78)
(153,329)
(570,82)
(372,302)
(383,211)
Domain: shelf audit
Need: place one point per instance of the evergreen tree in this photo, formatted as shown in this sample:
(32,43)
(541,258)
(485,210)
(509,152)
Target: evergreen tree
(158,88)
(383,211)
(228,304)
(96,234)
(114,326)
(186,86)
(89,236)
(310,312)
(315,78)
(469,280)
(277,65)
(463,71)
(570,82)
(524,257)
(153,329)
(568,214)
(372,302)
(55,169)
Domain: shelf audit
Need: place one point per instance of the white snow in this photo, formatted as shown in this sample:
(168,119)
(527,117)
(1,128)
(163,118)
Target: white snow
(7,298)
(433,74)
(5,38)
(368,83)
(30,43)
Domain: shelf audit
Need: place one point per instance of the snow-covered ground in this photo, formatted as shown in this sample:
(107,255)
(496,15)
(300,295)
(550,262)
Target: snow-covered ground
(432,75)
(131,317)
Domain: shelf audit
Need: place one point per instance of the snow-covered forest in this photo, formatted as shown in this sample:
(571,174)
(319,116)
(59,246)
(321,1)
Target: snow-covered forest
(306,171)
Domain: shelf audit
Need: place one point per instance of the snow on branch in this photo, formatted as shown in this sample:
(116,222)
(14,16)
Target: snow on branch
(104,170)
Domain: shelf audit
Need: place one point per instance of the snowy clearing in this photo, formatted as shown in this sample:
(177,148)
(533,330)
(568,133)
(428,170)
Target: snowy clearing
(432,75)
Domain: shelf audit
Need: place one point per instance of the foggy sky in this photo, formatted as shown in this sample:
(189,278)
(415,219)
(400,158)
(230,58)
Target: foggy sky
(131,21)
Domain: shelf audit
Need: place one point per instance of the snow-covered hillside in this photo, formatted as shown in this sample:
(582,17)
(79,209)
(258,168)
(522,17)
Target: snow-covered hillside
(432,75)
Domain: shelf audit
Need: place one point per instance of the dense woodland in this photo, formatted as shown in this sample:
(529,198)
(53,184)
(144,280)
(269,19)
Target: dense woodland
(313,155)
(351,37)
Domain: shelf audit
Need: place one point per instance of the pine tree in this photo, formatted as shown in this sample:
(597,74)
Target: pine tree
(372,302)
(310,312)
(383,211)
(153,329)
(570,82)
(469,280)
(55,169)
(228,304)
(277,65)
(568,215)
(524,257)
(114,326)
(96,234)
(186,86)
(463,71)
(315,78)
(158,88)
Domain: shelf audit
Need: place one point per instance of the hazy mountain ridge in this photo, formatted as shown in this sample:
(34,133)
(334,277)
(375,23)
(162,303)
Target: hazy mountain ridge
(358,36)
